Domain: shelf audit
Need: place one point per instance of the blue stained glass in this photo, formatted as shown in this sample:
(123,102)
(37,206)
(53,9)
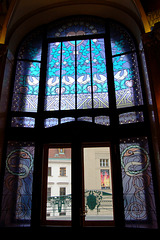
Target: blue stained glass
(85,119)
(67,119)
(26,122)
(31,47)
(84,89)
(99,74)
(131,117)
(138,191)
(127,81)
(26,87)
(121,40)
(53,77)
(76,26)
(68,76)
(18,179)
(50,122)
(102,120)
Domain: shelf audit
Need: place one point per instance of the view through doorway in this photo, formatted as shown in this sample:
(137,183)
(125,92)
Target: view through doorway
(96,185)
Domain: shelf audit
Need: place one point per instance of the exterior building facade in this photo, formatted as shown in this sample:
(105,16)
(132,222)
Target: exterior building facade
(97,182)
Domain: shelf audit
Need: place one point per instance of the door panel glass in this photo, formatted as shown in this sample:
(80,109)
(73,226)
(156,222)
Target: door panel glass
(97,184)
(59,197)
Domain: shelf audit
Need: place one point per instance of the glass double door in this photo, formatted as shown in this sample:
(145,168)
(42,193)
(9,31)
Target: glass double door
(78,184)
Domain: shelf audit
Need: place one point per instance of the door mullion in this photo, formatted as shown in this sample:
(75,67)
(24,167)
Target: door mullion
(76,184)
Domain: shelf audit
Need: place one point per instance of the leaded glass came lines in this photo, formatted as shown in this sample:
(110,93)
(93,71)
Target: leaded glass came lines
(26,87)
(76,26)
(126,80)
(138,192)
(100,86)
(86,73)
(69,83)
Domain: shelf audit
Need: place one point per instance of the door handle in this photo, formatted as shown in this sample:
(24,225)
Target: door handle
(83,212)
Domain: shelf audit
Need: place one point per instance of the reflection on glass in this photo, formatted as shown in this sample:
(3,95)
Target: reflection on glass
(59,184)
(98,184)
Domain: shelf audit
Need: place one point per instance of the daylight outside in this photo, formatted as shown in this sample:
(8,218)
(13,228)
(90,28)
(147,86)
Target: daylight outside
(97,184)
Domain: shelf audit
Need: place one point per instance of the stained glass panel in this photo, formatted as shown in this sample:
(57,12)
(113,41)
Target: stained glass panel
(26,87)
(127,81)
(26,122)
(17,188)
(67,119)
(68,76)
(85,119)
(84,89)
(131,117)
(121,41)
(138,192)
(50,122)
(53,77)
(31,47)
(99,74)
(102,120)
(76,26)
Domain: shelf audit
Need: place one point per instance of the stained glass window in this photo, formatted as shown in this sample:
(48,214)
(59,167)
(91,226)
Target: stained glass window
(126,80)
(50,122)
(138,192)
(86,70)
(18,179)
(26,87)
(100,86)
(31,47)
(73,75)
(53,77)
(26,122)
(76,26)
(67,119)
(27,76)
(85,119)
(131,117)
(68,76)
(102,120)
(76,70)
(121,40)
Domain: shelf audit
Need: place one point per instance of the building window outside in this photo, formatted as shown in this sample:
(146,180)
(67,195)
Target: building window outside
(49,171)
(63,172)
(48,192)
(62,191)
(104,163)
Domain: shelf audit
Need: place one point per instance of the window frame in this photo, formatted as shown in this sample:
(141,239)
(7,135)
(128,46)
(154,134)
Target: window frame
(112,111)
(62,172)
(115,130)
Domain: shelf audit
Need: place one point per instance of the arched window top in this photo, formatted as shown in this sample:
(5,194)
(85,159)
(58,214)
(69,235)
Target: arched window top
(31,46)
(88,63)
(76,26)
(121,39)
